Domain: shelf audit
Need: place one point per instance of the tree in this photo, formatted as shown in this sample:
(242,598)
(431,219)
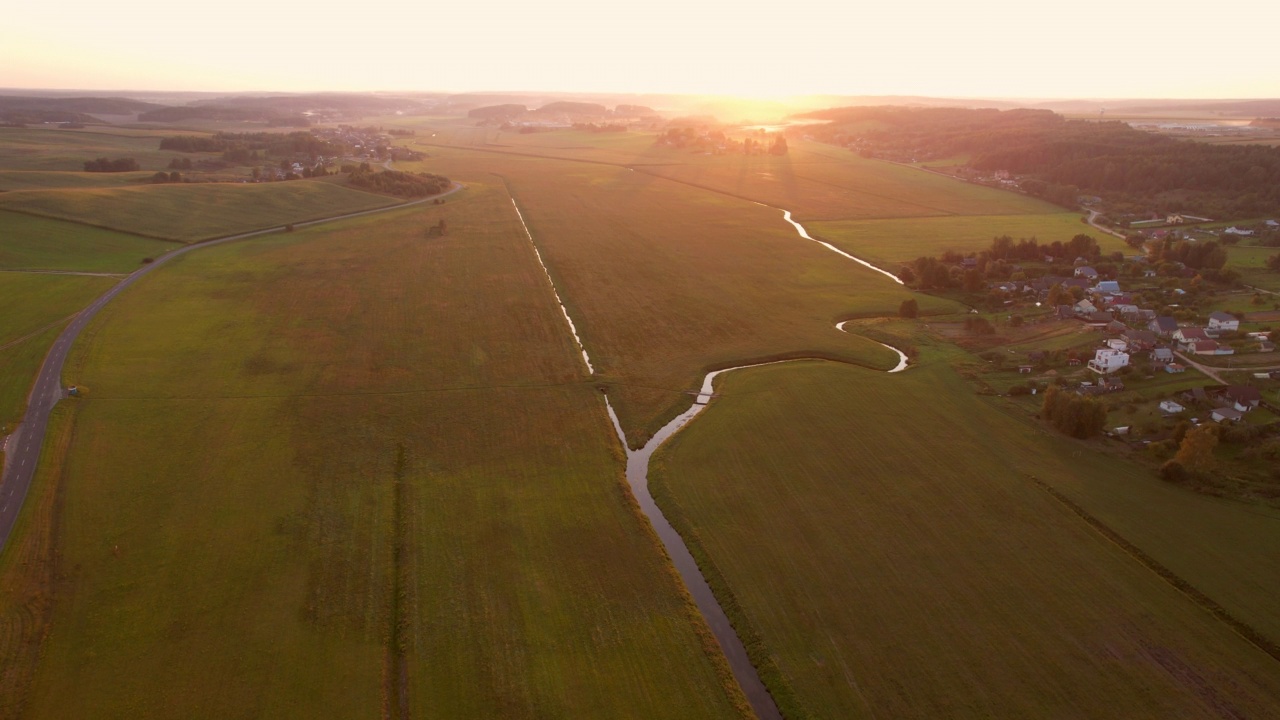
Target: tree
(1273,263)
(909,308)
(1196,451)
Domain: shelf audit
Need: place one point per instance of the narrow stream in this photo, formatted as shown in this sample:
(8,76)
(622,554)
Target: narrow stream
(572,328)
(902,357)
(638,478)
(786,215)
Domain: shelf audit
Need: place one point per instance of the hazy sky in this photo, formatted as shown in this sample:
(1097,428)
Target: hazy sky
(992,48)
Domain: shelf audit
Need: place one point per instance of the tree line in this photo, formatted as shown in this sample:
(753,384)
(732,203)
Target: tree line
(108,165)
(395,182)
(1067,157)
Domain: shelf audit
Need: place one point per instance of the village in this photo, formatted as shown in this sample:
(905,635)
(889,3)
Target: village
(1162,350)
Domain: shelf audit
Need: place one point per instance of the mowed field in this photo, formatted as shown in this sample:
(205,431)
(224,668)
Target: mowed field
(197,211)
(30,242)
(303,485)
(893,242)
(33,309)
(666,282)
(46,179)
(813,180)
(67,150)
(895,560)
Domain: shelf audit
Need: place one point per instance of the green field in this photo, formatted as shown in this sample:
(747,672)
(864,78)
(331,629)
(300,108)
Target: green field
(67,150)
(814,181)
(894,242)
(29,242)
(374,520)
(666,282)
(897,563)
(33,308)
(192,212)
(47,179)
(31,301)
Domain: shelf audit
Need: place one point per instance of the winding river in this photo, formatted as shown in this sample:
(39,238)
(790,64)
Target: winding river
(638,479)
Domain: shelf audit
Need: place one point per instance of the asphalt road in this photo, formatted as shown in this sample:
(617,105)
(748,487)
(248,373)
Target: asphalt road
(22,452)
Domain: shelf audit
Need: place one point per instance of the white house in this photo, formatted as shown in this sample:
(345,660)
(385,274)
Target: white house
(1187,336)
(1233,230)
(1118,344)
(1086,272)
(1107,286)
(1170,407)
(1223,322)
(1084,307)
(1108,360)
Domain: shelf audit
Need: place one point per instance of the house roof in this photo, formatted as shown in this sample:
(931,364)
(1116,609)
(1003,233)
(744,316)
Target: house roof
(1166,323)
(1193,334)
(1204,346)
(1222,316)
(1228,413)
(1243,393)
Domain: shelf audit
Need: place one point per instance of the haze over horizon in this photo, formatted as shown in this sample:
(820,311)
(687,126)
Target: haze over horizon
(990,49)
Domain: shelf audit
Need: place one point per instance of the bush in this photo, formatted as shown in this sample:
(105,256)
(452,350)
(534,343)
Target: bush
(1173,471)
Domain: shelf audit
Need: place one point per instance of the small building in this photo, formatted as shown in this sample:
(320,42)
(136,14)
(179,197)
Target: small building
(1206,347)
(1224,415)
(1174,368)
(1084,307)
(1140,339)
(1066,312)
(1170,407)
(1164,326)
(1107,361)
(1025,369)
(1162,355)
(1187,336)
(1086,272)
(1107,286)
(1266,346)
(1118,344)
(1223,322)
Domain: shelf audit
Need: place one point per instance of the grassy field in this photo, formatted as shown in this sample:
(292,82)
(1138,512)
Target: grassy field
(814,181)
(191,212)
(37,243)
(897,566)
(67,150)
(31,301)
(48,179)
(374,521)
(666,282)
(894,242)
(19,363)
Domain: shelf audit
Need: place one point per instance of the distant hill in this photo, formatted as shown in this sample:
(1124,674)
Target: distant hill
(498,112)
(634,110)
(572,108)
(32,109)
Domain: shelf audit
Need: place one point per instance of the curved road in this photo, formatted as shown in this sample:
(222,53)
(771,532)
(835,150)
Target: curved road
(23,449)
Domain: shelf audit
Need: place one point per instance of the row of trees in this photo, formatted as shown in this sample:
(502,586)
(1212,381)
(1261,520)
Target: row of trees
(1072,414)
(241,145)
(402,184)
(108,165)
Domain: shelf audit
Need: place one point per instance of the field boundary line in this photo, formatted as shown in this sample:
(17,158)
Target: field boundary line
(1244,630)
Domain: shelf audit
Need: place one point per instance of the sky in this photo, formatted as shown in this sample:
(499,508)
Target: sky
(979,48)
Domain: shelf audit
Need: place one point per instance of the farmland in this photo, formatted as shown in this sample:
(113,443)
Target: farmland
(192,212)
(67,150)
(374,532)
(360,470)
(30,242)
(666,282)
(894,567)
(901,240)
